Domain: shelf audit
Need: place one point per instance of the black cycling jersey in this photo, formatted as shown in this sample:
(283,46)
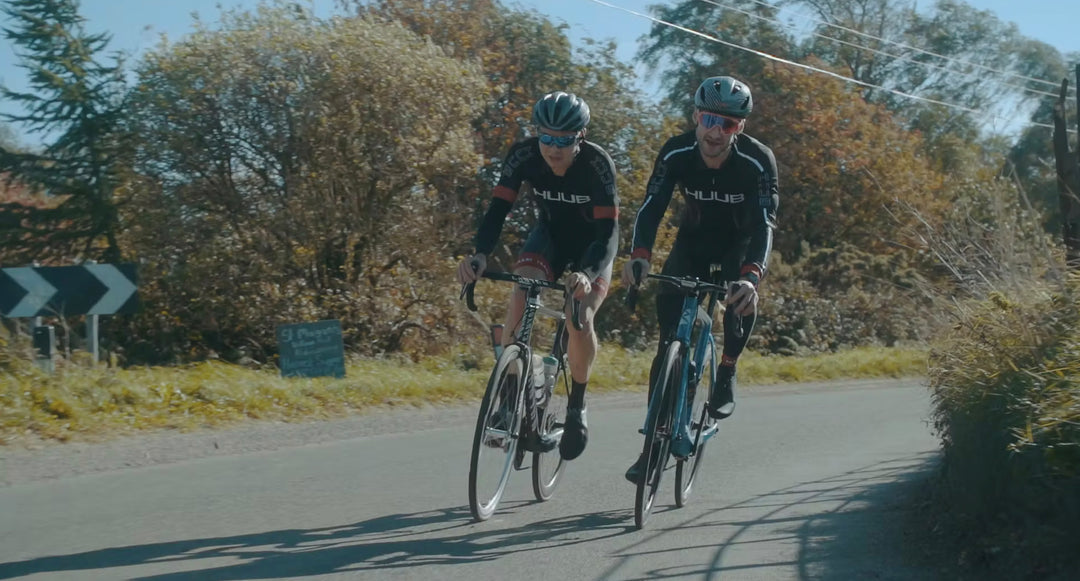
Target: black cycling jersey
(581,204)
(732,208)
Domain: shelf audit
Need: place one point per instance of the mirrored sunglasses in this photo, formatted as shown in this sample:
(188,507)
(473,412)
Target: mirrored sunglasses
(561,141)
(727,124)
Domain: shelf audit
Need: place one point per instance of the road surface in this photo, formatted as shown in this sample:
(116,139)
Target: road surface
(804,482)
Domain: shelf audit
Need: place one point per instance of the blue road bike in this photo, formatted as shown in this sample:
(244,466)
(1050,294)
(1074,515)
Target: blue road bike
(677,424)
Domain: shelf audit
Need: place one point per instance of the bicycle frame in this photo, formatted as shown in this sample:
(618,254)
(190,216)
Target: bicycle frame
(533,306)
(691,313)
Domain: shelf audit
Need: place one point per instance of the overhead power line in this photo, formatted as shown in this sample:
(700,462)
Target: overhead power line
(923,51)
(881,52)
(808,67)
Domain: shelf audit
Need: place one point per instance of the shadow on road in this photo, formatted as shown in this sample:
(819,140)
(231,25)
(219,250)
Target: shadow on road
(851,526)
(445,536)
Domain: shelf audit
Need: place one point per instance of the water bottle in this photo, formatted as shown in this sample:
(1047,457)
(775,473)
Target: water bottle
(537,373)
(551,367)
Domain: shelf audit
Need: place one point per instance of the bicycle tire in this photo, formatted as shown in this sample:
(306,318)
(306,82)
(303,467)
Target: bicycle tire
(686,470)
(547,467)
(657,437)
(486,434)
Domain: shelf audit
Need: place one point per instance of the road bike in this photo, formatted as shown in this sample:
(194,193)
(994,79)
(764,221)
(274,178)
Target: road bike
(519,403)
(677,423)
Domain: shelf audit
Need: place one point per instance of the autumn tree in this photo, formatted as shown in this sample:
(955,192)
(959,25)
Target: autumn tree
(291,176)
(842,161)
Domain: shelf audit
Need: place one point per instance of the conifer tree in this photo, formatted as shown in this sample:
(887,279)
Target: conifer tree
(74,100)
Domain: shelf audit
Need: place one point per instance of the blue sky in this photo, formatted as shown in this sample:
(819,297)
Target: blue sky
(136,25)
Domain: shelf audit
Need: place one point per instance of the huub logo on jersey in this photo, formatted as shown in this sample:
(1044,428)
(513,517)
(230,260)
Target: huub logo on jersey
(714,196)
(562,197)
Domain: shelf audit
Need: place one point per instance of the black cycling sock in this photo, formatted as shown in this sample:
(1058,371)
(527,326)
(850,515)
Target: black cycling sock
(577,394)
(733,343)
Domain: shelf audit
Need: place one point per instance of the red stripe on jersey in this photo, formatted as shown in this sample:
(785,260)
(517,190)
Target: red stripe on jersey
(605,213)
(505,193)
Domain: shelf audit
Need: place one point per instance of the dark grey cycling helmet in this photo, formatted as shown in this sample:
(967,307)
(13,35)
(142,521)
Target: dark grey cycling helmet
(726,96)
(561,111)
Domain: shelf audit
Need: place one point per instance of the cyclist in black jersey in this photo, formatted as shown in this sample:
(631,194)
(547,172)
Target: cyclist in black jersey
(729,182)
(574,182)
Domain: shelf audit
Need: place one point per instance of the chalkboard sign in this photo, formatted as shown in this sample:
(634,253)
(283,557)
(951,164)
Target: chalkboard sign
(311,349)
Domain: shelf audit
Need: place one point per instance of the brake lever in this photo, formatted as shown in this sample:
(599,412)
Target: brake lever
(467,294)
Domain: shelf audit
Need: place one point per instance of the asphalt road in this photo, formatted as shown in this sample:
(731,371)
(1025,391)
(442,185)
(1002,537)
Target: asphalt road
(804,482)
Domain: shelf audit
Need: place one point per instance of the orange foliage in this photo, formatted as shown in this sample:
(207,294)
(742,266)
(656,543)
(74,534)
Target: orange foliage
(843,163)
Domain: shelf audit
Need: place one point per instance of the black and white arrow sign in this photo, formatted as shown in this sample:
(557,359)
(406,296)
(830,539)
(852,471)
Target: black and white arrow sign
(88,289)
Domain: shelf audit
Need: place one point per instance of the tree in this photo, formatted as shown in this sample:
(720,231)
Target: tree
(522,55)
(291,176)
(78,98)
(843,162)
(688,59)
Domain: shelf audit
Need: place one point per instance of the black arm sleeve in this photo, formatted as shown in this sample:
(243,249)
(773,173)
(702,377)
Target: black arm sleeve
(657,197)
(601,252)
(492,225)
(762,218)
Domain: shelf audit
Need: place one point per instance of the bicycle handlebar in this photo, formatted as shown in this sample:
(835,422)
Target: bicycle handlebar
(575,305)
(686,284)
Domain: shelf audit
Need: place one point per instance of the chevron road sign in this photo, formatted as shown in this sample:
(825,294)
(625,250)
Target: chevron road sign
(87,289)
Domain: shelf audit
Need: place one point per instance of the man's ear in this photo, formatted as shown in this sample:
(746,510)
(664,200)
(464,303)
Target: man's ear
(584,132)
(697,116)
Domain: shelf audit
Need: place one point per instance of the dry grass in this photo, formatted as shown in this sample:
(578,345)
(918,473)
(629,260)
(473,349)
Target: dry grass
(83,403)
(1006,393)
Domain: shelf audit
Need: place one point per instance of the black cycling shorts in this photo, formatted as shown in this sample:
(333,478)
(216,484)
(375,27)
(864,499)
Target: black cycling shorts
(543,251)
(690,258)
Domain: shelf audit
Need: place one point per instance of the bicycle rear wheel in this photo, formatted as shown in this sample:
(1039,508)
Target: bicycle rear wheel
(658,436)
(687,469)
(547,467)
(495,440)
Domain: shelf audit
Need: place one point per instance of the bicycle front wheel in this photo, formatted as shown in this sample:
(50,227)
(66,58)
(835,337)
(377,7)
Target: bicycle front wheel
(547,467)
(687,468)
(658,429)
(495,440)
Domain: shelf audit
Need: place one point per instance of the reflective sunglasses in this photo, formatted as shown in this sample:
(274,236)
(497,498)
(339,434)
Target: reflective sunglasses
(563,141)
(727,124)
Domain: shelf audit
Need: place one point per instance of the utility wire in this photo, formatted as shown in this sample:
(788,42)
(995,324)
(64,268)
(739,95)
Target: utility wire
(923,51)
(809,67)
(877,51)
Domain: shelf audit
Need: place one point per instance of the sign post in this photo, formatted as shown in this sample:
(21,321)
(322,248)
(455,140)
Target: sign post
(45,348)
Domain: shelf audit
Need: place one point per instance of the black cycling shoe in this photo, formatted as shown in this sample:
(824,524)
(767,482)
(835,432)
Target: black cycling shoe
(635,472)
(722,396)
(575,434)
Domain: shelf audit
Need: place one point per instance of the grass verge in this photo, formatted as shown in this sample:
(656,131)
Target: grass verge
(80,403)
(1007,405)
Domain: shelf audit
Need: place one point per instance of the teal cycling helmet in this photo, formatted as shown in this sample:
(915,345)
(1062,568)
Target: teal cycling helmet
(561,111)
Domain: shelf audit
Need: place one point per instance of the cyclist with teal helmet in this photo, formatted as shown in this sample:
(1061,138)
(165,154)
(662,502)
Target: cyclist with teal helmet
(574,182)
